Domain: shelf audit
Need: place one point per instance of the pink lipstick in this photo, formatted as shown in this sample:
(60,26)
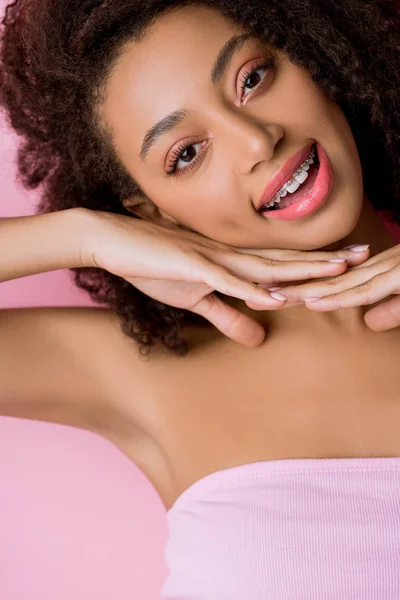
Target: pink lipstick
(310,196)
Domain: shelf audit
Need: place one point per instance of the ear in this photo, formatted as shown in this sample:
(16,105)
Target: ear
(141,206)
(145,209)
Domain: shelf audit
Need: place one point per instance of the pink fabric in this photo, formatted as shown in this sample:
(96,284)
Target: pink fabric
(291,529)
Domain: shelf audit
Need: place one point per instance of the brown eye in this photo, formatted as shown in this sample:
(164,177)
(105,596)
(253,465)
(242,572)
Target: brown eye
(184,154)
(188,154)
(255,77)
(253,80)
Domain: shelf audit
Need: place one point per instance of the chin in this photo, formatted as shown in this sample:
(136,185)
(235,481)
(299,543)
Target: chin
(333,224)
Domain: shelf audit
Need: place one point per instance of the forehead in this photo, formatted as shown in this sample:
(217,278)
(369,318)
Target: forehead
(166,69)
(176,38)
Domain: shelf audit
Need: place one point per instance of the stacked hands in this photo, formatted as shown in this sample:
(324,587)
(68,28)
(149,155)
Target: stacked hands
(368,283)
(182,269)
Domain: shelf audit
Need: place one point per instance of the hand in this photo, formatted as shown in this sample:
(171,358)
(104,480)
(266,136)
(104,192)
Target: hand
(376,279)
(182,269)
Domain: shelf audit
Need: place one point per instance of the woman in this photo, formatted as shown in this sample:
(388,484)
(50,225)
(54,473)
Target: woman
(252,145)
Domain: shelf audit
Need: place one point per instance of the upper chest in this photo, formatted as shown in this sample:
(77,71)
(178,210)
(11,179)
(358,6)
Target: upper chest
(224,405)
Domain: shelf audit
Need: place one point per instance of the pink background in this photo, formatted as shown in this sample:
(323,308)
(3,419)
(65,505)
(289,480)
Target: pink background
(78,520)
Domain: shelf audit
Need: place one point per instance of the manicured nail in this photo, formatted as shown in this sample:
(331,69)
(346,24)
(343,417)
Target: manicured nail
(337,260)
(311,299)
(355,248)
(278,296)
(273,289)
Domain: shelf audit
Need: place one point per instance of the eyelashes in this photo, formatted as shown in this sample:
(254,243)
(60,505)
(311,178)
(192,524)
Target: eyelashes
(178,152)
(263,64)
(176,156)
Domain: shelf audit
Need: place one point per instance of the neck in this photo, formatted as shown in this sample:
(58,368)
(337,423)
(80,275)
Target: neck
(369,230)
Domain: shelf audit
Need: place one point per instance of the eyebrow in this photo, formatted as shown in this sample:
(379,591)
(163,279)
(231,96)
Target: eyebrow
(172,120)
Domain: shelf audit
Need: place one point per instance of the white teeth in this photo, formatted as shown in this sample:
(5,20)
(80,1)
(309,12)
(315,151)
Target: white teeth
(301,177)
(294,183)
(293,186)
(298,176)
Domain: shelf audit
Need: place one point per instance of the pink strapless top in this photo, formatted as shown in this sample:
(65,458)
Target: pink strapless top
(290,529)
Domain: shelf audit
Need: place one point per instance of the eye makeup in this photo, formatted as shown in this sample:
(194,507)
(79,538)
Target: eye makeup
(177,153)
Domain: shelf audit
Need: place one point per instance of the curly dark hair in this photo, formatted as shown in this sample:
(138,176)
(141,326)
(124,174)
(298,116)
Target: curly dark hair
(55,56)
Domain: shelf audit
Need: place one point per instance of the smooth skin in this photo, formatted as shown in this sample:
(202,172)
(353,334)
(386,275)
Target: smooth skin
(188,267)
(236,140)
(322,383)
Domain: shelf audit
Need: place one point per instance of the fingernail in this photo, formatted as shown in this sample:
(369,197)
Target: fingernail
(356,248)
(278,296)
(273,289)
(311,299)
(337,260)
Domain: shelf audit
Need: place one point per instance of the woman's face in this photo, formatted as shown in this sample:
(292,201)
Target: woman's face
(203,138)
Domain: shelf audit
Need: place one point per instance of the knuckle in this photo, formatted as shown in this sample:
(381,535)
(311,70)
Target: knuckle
(255,286)
(234,325)
(204,306)
(363,287)
(340,254)
(228,278)
(270,262)
(287,252)
(335,280)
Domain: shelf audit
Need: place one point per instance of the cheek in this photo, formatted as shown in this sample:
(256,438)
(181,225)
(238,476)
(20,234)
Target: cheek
(306,110)
(210,197)
(214,208)
(301,104)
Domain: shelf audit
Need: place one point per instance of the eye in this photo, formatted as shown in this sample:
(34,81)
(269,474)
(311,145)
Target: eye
(184,157)
(251,79)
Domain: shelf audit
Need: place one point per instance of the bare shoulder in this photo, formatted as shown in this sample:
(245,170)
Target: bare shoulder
(68,366)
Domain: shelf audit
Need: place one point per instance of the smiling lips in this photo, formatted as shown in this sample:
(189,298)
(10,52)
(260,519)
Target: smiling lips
(322,182)
(283,176)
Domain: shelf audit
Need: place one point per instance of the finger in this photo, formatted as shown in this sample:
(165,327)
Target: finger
(267,270)
(335,285)
(353,257)
(229,321)
(379,287)
(255,306)
(384,316)
(230,284)
(394,251)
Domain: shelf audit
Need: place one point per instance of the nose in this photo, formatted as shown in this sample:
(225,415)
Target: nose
(251,142)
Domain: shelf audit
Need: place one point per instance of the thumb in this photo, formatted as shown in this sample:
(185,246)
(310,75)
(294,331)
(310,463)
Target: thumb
(384,316)
(230,321)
